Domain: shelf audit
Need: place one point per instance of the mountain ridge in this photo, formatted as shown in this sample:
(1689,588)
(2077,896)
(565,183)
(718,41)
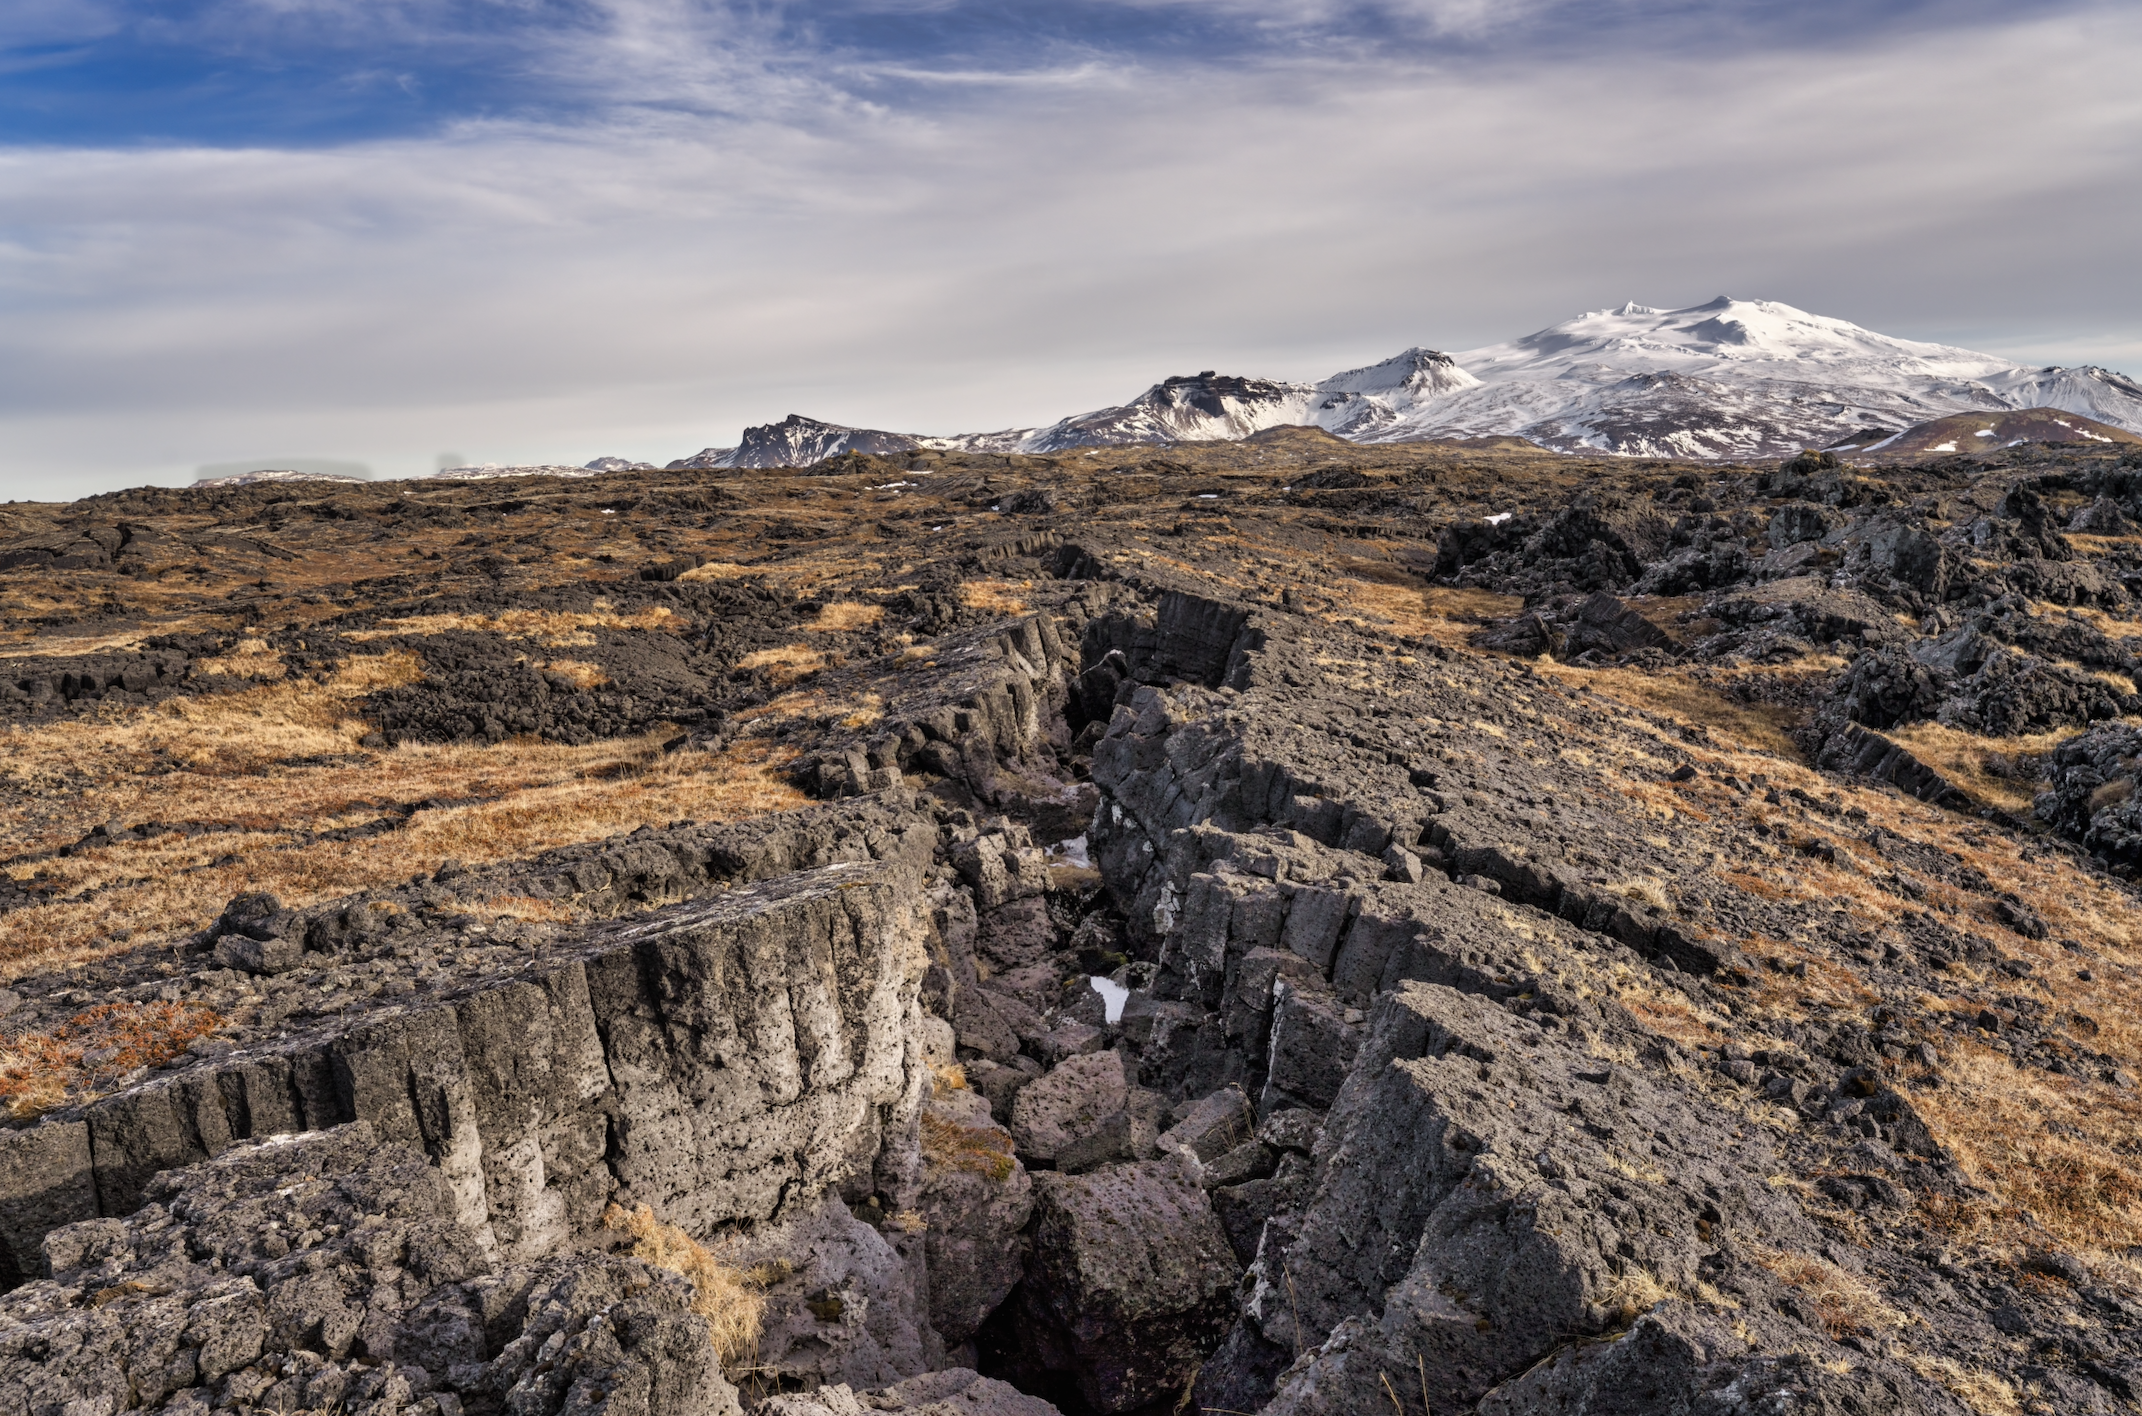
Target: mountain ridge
(1725,379)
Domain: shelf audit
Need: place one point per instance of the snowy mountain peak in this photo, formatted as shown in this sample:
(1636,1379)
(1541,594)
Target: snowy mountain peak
(1730,377)
(1204,407)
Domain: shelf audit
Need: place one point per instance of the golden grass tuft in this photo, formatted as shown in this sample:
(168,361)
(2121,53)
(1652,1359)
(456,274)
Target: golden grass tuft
(998,597)
(1982,1391)
(555,627)
(1845,1304)
(93,1049)
(843,616)
(786,664)
(718,570)
(1961,757)
(578,672)
(982,1150)
(1633,1293)
(249,658)
(730,1299)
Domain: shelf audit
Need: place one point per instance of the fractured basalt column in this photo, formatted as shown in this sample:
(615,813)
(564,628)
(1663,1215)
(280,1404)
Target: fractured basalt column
(722,1060)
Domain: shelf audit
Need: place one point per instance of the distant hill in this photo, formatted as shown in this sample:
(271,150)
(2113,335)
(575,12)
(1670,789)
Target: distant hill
(1968,432)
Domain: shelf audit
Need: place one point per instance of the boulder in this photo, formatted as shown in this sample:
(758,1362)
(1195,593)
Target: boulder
(1131,1282)
(1211,1126)
(976,1199)
(957,1391)
(847,1306)
(1068,1103)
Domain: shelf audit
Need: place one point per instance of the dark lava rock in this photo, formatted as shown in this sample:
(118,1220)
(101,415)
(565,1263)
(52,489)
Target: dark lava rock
(1131,1283)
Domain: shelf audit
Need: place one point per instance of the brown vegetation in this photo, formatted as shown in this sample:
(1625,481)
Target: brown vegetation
(729,1299)
(984,1150)
(92,1050)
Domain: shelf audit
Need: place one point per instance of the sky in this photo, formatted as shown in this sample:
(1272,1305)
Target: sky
(387,232)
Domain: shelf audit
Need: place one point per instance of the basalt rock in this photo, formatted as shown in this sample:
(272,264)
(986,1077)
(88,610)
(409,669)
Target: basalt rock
(1130,1284)
(334,1269)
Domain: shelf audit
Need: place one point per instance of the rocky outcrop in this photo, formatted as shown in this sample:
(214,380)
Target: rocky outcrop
(720,1061)
(1130,1284)
(336,1269)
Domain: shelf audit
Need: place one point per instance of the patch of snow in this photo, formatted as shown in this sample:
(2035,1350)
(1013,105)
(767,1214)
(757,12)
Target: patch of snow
(1498,518)
(1113,996)
(1983,433)
(1208,496)
(1944,447)
(1073,852)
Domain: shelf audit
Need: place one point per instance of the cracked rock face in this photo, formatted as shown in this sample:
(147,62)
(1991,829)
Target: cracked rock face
(331,1269)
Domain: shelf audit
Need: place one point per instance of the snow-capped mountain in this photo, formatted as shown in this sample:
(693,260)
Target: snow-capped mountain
(275,474)
(1735,378)
(1730,378)
(1206,407)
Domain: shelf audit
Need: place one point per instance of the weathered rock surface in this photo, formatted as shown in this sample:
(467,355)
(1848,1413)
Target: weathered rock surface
(719,1061)
(332,1270)
(954,1392)
(1130,1283)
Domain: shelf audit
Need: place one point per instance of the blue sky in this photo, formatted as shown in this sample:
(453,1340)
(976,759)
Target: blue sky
(381,230)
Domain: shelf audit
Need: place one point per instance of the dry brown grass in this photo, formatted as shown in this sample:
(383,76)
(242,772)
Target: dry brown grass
(1408,608)
(720,570)
(556,628)
(578,672)
(1982,1391)
(730,1299)
(845,616)
(2057,1154)
(91,1050)
(984,1150)
(1676,696)
(853,713)
(524,797)
(1634,1292)
(1845,1304)
(1961,757)
(786,664)
(998,597)
(249,658)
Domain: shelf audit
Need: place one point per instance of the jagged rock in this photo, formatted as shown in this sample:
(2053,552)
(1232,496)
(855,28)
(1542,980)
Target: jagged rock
(1130,1283)
(850,1306)
(253,1278)
(1608,626)
(1001,1083)
(730,1073)
(1211,1126)
(1070,1102)
(1002,868)
(957,1391)
(1291,1129)
(2092,797)
(976,1199)
(2102,517)
(1311,1049)
(1130,1134)
(1456,1218)
(1790,525)
(1674,1359)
